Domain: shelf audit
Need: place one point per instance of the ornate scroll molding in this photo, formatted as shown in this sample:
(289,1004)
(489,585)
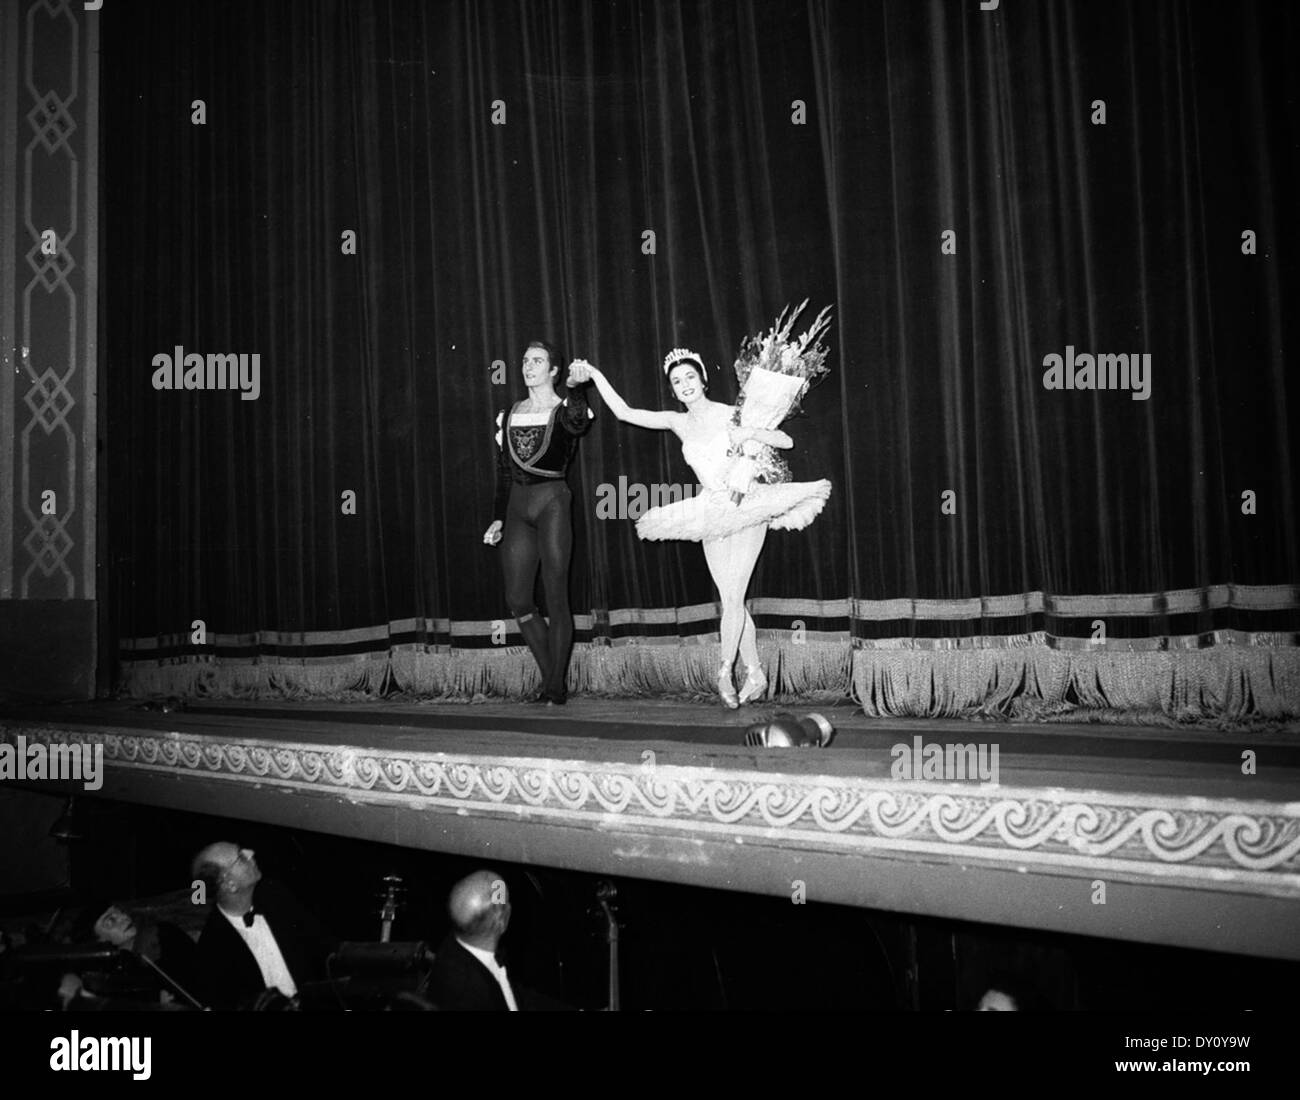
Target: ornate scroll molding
(1223,844)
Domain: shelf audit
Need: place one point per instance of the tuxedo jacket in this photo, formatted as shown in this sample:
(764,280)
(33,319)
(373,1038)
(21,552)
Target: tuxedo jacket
(460,983)
(228,974)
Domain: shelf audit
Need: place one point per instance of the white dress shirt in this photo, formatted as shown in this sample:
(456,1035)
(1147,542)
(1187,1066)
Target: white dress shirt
(495,969)
(261,942)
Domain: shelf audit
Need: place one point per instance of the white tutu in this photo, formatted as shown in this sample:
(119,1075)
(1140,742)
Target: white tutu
(787,506)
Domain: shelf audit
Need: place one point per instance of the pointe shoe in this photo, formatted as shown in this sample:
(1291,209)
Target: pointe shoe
(755,686)
(727,689)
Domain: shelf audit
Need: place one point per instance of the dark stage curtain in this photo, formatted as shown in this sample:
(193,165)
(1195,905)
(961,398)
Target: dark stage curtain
(972,192)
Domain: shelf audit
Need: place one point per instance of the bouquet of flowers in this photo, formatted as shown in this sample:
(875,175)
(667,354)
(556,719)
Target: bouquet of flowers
(774,372)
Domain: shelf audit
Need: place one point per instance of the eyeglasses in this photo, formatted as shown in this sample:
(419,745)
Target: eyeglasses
(245,856)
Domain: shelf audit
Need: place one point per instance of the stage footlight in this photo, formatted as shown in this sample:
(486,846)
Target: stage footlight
(785,731)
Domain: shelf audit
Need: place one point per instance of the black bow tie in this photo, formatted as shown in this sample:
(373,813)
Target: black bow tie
(248,918)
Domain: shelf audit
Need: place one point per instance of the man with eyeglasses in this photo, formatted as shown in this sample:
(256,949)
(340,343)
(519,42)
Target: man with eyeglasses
(257,937)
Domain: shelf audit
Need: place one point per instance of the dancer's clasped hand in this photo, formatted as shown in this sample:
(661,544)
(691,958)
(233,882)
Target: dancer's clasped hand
(493,534)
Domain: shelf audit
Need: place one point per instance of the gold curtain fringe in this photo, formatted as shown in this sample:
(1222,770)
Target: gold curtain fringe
(215,680)
(813,671)
(1225,681)
(466,674)
(1012,681)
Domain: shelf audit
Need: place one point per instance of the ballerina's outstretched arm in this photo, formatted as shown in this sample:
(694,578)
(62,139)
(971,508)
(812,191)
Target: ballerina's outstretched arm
(642,418)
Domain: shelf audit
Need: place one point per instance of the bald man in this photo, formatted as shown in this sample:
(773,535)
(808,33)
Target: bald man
(467,976)
(257,936)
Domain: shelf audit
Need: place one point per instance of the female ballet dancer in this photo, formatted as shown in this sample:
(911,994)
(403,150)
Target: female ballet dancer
(533,510)
(732,534)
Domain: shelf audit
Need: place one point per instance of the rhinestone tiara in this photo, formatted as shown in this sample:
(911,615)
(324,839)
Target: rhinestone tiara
(684,355)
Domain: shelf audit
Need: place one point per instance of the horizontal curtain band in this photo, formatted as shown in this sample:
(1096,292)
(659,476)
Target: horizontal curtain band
(1176,602)
(1248,598)
(622,626)
(1209,639)
(700,612)
(226,654)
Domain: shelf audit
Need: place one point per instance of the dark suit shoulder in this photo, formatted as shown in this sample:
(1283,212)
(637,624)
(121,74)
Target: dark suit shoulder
(458,982)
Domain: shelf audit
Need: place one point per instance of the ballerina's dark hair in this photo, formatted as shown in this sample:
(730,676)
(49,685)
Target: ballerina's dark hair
(678,356)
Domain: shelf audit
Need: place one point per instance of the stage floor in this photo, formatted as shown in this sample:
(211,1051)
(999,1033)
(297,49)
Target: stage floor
(1135,832)
(1203,760)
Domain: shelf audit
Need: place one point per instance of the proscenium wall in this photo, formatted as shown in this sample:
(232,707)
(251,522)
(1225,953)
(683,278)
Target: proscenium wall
(48,284)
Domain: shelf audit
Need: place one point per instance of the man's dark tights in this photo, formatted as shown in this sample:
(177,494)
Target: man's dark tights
(539,531)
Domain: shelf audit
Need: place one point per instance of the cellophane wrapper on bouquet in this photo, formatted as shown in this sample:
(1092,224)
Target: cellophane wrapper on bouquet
(774,371)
